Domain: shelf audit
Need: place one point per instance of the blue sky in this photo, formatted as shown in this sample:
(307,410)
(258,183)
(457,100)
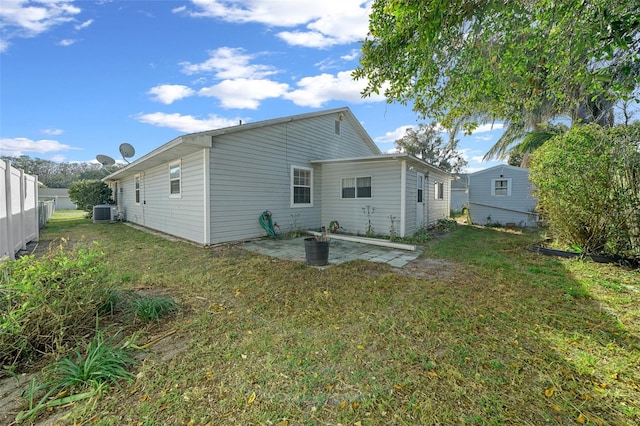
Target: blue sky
(79,78)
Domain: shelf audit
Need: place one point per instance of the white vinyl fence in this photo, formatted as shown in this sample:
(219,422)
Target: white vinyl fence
(20,219)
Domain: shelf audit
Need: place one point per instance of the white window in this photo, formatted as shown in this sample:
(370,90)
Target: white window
(137,188)
(356,187)
(501,187)
(301,187)
(175,177)
(420,186)
(337,127)
(438,191)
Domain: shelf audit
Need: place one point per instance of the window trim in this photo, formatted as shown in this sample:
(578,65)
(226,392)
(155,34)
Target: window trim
(493,187)
(137,188)
(179,179)
(292,187)
(355,195)
(438,190)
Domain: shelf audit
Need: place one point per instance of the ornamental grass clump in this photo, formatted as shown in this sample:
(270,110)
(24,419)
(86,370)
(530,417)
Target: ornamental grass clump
(46,302)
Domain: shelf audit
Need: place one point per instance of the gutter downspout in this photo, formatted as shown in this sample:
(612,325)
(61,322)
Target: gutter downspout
(403,197)
(206,168)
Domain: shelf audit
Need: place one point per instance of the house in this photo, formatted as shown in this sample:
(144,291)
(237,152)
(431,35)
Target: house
(59,195)
(502,195)
(307,170)
(459,192)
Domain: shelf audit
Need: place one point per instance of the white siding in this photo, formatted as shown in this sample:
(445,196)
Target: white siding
(385,196)
(183,216)
(516,208)
(438,208)
(250,173)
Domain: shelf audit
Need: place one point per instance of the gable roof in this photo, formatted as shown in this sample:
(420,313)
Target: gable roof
(192,142)
(499,167)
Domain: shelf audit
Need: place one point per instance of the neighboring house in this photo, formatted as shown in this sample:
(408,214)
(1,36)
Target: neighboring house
(307,170)
(459,192)
(61,197)
(502,195)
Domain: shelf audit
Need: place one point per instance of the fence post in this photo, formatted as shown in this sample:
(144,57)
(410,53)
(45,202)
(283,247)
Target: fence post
(7,188)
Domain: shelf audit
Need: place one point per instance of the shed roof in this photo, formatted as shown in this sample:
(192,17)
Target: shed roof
(386,157)
(499,167)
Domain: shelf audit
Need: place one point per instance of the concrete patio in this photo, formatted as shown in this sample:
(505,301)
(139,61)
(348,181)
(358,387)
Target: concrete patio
(339,251)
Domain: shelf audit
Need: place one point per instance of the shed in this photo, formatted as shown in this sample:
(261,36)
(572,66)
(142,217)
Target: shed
(502,195)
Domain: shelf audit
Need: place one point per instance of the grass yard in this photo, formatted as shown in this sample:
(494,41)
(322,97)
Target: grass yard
(503,336)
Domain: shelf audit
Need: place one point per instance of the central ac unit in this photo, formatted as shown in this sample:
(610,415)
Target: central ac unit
(104,213)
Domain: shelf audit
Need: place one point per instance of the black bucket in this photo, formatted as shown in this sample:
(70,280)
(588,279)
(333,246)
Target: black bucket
(316,252)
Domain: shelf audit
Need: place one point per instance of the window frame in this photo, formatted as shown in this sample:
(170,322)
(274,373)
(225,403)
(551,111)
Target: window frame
(293,186)
(137,188)
(172,165)
(356,192)
(508,187)
(438,190)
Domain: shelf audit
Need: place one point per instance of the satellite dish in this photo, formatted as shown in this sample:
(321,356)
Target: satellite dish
(105,160)
(127,151)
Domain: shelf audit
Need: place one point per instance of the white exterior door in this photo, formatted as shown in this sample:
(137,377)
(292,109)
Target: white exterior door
(420,201)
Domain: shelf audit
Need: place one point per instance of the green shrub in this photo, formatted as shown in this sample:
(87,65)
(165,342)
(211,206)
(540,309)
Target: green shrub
(588,187)
(46,302)
(87,193)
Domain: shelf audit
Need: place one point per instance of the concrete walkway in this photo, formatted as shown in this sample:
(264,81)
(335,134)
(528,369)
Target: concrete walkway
(339,251)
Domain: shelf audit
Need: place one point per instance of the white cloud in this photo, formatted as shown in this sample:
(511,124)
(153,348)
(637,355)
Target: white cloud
(66,42)
(354,54)
(317,90)
(186,123)
(394,135)
(228,62)
(15,147)
(244,93)
(52,132)
(84,24)
(489,127)
(22,18)
(320,23)
(168,93)
(307,38)
(4,46)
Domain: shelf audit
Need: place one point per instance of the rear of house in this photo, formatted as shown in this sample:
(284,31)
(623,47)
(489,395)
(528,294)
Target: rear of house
(211,187)
(307,170)
(502,195)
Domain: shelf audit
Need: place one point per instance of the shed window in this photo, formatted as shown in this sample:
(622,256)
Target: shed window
(501,187)
(301,186)
(438,191)
(420,187)
(356,187)
(175,177)
(137,188)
